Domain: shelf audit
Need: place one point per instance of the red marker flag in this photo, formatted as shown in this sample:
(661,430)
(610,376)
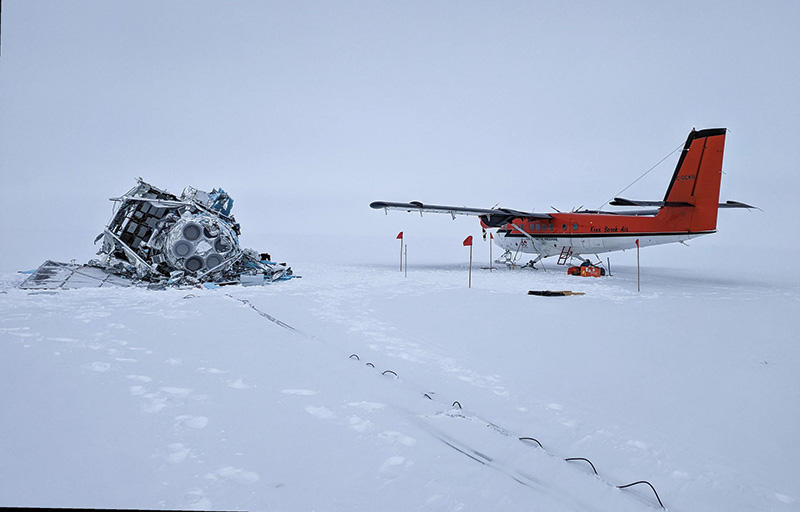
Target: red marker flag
(637,242)
(468,241)
(491,236)
(400,235)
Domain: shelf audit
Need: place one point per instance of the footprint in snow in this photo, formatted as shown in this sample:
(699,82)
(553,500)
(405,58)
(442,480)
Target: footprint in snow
(211,371)
(360,424)
(195,422)
(319,412)
(233,474)
(300,392)
(393,466)
(98,366)
(139,378)
(238,384)
(155,402)
(397,437)
(367,406)
(178,452)
(176,391)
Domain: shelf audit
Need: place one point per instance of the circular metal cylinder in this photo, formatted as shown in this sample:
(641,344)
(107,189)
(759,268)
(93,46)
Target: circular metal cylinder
(213,259)
(192,231)
(194,263)
(182,249)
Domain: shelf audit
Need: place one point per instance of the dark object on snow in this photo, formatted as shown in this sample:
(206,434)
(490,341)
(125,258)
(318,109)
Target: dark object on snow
(554,293)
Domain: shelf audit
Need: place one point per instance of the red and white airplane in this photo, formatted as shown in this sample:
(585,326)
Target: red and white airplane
(689,210)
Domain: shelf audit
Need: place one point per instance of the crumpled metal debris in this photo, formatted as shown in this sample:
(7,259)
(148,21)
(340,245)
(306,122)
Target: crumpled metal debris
(159,239)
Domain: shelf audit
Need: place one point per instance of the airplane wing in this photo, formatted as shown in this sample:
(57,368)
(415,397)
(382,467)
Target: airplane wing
(492,217)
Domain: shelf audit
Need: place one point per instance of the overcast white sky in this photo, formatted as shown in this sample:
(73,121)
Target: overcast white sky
(307,111)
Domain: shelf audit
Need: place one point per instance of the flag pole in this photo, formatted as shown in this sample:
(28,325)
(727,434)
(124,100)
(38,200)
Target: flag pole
(491,237)
(400,237)
(470,266)
(468,242)
(406,265)
(638,271)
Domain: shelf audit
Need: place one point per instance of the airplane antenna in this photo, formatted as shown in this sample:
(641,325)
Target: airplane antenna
(645,173)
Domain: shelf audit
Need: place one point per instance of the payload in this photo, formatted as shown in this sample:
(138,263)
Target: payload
(159,239)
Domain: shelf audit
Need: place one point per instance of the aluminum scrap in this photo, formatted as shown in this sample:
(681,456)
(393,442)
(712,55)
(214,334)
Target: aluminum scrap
(159,239)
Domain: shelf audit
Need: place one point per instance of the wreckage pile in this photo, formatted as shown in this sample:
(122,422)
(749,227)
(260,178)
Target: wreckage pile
(159,239)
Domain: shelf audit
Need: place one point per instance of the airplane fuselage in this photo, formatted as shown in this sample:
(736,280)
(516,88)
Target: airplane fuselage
(594,233)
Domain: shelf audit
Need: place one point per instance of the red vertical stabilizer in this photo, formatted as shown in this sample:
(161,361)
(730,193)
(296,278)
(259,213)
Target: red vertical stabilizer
(692,198)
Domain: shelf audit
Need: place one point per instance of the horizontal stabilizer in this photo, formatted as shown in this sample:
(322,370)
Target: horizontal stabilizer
(736,204)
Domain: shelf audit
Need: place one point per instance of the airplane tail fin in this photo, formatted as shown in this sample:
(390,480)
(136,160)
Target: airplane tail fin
(696,181)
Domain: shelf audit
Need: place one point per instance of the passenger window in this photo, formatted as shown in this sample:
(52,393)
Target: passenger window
(575,226)
(563,227)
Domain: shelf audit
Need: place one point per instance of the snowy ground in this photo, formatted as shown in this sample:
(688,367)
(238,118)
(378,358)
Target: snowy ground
(192,398)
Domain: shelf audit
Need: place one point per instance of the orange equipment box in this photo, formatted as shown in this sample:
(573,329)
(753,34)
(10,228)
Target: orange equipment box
(586,271)
(591,272)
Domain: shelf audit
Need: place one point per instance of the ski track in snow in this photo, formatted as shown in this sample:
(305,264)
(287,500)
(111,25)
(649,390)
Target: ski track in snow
(180,390)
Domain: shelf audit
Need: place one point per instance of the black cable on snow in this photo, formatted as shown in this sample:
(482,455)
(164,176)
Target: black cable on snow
(532,439)
(643,482)
(570,459)
(267,315)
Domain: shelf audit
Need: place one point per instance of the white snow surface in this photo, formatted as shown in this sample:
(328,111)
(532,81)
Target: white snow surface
(192,399)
